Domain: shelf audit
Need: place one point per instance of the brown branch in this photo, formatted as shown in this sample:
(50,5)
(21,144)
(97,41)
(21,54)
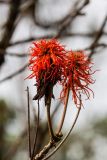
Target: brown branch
(65,22)
(61,22)
(98,45)
(14,74)
(98,37)
(101,45)
(73,13)
(21,55)
(90,35)
(9,28)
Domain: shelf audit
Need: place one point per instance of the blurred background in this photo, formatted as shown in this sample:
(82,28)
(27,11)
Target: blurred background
(77,25)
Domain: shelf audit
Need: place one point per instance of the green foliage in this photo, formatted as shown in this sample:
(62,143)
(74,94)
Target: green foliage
(100,127)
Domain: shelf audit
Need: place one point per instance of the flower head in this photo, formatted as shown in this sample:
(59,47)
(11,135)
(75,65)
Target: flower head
(79,76)
(47,63)
(51,63)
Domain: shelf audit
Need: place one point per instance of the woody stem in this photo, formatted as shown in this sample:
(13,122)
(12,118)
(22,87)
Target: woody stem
(64,113)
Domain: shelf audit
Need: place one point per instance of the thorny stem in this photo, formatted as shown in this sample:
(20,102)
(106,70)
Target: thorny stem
(29,136)
(75,120)
(36,133)
(64,113)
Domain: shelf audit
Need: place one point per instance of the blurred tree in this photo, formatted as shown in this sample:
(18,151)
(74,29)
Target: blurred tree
(6,116)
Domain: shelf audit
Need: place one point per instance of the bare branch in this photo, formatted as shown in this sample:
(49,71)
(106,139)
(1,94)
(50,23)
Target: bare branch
(9,27)
(21,55)
(74,12)
(98,36)
(64,35)
(99,45)
(14,74)
(59,23)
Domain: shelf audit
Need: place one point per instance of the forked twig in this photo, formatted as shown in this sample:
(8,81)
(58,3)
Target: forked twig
(29,135)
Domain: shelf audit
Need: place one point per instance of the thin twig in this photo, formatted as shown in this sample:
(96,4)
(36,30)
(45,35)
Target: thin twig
(64,112)
(36,133)
(62,21)
(98,36)
(29,135)
(98,45)
(21,55)
(79,34)
(18,55)
(74,12)
(14,74)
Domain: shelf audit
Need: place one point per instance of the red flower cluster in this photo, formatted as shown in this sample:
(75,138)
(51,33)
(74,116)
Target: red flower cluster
(79,72)
(50,63)
(47,63)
